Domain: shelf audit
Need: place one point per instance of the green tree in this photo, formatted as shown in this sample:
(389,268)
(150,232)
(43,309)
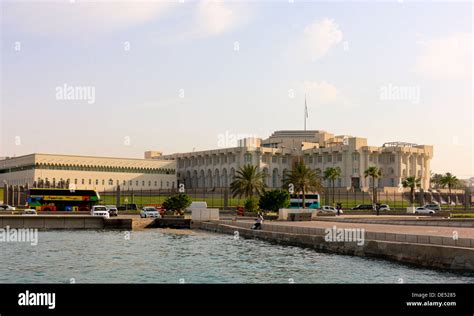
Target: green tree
(436,180)
(251,204)
(177,203)
(248,180)
(450,181)
(303,180)
(374,173)
(274,200)
(412,183)
(332,174)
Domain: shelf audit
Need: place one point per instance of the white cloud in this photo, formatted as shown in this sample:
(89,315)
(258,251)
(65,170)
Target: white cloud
(320,36)
(80,18)
(216,17)
(448,57)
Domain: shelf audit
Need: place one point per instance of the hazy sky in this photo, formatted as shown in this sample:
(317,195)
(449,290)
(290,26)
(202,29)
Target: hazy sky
(173,76)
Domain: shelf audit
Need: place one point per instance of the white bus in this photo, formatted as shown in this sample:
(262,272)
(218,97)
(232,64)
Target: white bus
(312,201)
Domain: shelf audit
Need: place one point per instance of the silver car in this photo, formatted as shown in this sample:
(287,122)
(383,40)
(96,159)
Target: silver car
(434,207)
(423,210)
(149,212)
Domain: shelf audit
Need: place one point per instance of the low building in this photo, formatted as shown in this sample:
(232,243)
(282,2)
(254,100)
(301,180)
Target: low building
(319,150)
(85,172)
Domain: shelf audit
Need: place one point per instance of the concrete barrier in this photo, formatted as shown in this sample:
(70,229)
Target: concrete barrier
(433,221)
(421,254)
(46,222)
(283,213)
(69,222)
(205,214)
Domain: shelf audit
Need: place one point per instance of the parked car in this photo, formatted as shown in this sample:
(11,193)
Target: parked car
(126,207)
(100,210)
(363,207)
(433,206)
(29,211)
(113,211)
(331,209)
(6,207)
(149,212)
(384,207)
(423,210)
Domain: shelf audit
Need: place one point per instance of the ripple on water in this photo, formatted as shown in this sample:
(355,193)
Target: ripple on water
(154,256)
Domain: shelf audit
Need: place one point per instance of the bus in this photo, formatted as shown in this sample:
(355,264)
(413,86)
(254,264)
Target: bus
(51,200)
(312,201)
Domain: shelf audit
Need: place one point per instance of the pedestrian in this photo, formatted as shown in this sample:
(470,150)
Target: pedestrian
(259,221)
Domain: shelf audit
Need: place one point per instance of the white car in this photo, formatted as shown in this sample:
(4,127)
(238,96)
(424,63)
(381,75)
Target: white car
(112,209)
(6,207)
(100,210)
(149,212)
(29,211)
(424,210)
(433,206)
(384,207)
(331,209)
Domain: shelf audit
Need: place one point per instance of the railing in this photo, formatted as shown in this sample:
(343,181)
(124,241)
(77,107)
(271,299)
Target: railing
(222,198)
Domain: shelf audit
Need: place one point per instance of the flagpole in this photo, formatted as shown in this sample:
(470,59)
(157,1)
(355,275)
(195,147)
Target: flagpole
(305,112)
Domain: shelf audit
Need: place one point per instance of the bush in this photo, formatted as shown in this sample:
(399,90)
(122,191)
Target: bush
(274,200)
(251,204)
(177,203)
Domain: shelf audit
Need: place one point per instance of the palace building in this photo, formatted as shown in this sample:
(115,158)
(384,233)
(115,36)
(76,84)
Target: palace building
(216,168)
(85,172)
(318,149)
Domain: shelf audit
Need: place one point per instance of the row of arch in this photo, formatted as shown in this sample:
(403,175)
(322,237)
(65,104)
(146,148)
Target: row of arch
(223,178)
(97,168)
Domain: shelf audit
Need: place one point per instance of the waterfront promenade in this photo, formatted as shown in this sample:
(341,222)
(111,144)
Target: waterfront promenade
(438,243)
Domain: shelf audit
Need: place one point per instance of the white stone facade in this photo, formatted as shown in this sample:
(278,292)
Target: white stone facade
(318,149)
(100,173)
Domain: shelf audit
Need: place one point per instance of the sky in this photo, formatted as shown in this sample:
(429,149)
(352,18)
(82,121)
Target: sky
(118,78)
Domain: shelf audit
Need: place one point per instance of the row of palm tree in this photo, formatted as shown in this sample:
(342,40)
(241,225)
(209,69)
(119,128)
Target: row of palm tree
(249,180)
(447,180)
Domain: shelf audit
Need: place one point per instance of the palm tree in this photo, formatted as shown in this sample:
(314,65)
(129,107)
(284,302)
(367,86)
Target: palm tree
(412,183)
(332,174)
(450,181)
(248,180)
(303,179)
(374,173)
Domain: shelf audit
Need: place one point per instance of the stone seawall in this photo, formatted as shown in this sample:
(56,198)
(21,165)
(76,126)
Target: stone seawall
(47,222)
(452,222)
(421,254)
(68,222)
